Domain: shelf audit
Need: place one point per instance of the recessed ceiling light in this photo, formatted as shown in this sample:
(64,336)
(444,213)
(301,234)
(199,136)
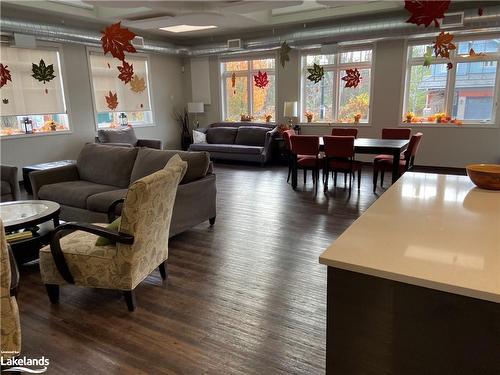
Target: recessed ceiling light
(186,28)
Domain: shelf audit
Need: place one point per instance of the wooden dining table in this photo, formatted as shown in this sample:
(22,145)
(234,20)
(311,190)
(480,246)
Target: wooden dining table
(373,146)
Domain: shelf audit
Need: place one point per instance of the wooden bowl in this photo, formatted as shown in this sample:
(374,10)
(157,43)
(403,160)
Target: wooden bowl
(485,176)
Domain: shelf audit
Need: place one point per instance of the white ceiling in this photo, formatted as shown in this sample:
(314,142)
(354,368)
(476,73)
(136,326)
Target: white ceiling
(230,17)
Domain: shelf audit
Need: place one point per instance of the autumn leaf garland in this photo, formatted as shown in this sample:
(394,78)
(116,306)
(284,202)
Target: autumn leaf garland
(116,40)
(112,100)
(261,80)
(4,75)
(126,72)
(425,12)
(352,78)
(316,73)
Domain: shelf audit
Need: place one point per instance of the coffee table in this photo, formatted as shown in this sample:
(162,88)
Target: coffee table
(38,216)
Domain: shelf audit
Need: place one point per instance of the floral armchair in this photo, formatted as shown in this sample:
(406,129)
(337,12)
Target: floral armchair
(141,241)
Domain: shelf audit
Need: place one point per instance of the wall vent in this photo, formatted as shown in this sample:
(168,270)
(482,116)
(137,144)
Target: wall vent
(452,20)
(234,44)
(138,41)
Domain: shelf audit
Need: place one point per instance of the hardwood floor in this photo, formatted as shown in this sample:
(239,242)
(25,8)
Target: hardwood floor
(246,296)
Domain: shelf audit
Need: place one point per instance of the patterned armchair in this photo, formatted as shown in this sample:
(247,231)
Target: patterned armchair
(9,313)
(141,241)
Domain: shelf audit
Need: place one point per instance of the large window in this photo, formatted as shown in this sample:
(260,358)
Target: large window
(464,94)
(328,100)
(28,105)
(243,98)
(133,98)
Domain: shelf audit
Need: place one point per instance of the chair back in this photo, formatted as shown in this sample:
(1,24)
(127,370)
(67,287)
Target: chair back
(147,212)
(345,132)
(286,137)
(305,144)
(396,133)
(412,149)
(341,147)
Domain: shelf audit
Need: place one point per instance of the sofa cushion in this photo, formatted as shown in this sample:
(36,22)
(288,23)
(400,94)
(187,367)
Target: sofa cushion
(242,149)
(5,188)
(124,135)
(149,161)
(209,147)
(100,202)
(251,136)
(234,149)
(72,193)
(222,135)
(106,165)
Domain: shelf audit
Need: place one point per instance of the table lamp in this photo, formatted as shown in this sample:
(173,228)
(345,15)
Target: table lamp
(196,107)
(291,111)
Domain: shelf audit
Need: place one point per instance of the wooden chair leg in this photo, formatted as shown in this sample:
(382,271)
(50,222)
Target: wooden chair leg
(382,178)
(129,299)
(53,292)
(334,179)
(289,172)
(359,178)
(305,175)
(345,178)
(212,220)
(375,177)
(163,270)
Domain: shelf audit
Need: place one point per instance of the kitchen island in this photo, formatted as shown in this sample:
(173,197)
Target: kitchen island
(414,283)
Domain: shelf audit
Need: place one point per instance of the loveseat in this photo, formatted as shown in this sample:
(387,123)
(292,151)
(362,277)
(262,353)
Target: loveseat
(238,141)
(103,173)
(125,137)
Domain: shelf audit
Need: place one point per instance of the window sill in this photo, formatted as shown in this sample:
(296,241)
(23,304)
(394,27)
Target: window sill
(149,125)
(336,124)
(35,135)
(477,125)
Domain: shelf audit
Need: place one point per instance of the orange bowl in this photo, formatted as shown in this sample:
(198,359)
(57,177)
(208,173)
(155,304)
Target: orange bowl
(485,176)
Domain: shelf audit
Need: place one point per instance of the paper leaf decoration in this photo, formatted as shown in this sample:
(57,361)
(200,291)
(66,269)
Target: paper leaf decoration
(480,12)
(233,82)
(473,53)
(316,73)
(137,84)
(284,54)
(261,80)
(112,100)
(449,66)
(5,101)
(43,73)
(126,72)
(4,75)
(428,57)
(425,12)
(443,45)
(116,40)
(352,78)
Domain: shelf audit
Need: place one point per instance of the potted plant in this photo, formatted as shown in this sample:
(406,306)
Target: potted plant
(268,117)
(409,116)
(183,121)
(357,117)
(309,116)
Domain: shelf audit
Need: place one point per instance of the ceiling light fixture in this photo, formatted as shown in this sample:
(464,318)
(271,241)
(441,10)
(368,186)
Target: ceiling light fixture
(186,28)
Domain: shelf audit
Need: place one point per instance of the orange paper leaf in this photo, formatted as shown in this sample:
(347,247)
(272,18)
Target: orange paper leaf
(116,40)
(443,45)
(137,84)
(112,100)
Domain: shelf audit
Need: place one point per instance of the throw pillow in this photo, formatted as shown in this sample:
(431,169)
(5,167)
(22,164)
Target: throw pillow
(115,225)
(199,137)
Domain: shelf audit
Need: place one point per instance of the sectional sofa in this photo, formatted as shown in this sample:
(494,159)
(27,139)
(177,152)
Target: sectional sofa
(103,173)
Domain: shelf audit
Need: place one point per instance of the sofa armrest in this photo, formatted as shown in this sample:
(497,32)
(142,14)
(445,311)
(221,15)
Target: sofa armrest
(9,174)
(52,176)
(268,145)
(151,143)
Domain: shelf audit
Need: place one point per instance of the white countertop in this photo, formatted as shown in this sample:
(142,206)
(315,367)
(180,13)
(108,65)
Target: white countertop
(430,230)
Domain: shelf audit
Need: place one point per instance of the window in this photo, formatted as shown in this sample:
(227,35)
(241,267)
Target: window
(28,105)
(134,104)
(463,94)
(245,98)
(328,100)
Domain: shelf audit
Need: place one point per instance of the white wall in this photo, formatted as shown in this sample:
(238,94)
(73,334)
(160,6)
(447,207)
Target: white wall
(441,146)
(167,84)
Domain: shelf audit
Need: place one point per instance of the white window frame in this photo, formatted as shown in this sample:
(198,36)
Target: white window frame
(450,80)
(148,87)
(249,73)
(337,67)
(62,71)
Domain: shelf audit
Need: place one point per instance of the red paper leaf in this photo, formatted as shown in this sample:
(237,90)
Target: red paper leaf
(126,72)
(443,45)
(116,40)
(233,82)
(352,78)
(449,66)
(46,91)
(425,12)
(109,66)
(480,12)
(112,100)
(4,75)
(261,80)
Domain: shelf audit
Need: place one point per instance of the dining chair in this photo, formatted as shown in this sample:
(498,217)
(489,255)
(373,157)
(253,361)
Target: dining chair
(305,154)
(392,133)
(339,157)
(385,164)
(288,147)
(343,132)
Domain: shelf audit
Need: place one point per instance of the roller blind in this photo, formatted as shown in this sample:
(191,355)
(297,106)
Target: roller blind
(105,79)
(25,95)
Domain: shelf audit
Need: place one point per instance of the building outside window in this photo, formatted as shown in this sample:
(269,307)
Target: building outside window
(244,98)
(30,106)
(465,93)
(328,100)
(134,101)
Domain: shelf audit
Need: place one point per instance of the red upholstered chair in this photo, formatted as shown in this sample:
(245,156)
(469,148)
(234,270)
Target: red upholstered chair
(342,132)
(385,165)
(288,147)
(305,150)
(393,133)
(339,154)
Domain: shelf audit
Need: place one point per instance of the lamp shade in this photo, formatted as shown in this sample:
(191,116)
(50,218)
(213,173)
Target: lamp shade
(195,107)
(290,109)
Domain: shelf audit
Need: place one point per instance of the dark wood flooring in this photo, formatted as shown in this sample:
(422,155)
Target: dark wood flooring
(247,296)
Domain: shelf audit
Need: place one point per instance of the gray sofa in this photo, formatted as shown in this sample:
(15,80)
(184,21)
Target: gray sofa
(9,187)
(103,173)
(125,137)
(238,141)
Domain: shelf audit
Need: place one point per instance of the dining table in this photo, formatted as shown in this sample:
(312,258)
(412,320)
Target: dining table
(373,146)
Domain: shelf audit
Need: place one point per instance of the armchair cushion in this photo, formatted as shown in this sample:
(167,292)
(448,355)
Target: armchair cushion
(103,241)
(72,193)
(123,135)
